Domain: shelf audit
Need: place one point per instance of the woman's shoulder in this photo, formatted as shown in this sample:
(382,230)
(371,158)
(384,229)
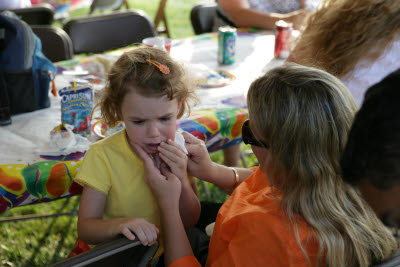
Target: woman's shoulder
(267,235)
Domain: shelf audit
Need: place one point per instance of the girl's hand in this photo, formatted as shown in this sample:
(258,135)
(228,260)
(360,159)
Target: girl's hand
(175,158)
(145,231)
(165,186)
(199,163)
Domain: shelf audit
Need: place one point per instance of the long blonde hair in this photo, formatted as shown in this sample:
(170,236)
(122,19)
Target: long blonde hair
(342,32)
(304,115)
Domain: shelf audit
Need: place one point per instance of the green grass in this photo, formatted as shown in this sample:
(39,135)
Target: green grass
(38,242)
(176,11)
(42,242)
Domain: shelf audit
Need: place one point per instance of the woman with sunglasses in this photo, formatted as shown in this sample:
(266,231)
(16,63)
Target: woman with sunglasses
(294,209)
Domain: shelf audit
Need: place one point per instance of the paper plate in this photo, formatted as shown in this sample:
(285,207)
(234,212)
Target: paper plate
(100,129)
(213,81)
(75,72)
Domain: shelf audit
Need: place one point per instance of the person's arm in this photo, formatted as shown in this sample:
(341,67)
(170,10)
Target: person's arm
(201,166)
(175,239)
(189,205)
(176,159)
(242,15)
(167,188)
(92,229)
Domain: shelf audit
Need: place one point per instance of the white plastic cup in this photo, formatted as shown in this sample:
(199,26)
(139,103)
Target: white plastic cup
(150,42)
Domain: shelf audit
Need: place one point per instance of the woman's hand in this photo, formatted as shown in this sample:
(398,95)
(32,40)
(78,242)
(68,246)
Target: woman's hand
(145,231)
(175,158)
(298,17)
(165,186)
(199,163)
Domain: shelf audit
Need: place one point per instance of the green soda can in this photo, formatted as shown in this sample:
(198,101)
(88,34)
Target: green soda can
(226,45)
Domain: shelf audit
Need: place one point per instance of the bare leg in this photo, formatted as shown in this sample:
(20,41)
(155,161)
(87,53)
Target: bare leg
(232,156)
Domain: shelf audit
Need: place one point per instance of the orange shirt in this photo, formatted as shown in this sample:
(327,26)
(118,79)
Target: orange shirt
(252,230)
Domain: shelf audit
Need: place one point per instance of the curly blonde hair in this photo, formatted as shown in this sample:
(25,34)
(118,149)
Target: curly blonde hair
(304,115)
(342,32)
(132,71)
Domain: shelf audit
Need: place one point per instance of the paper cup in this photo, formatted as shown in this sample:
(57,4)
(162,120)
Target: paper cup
(150,42)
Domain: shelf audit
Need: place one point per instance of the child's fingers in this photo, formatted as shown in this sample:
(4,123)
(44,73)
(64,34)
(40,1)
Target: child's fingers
(167,173)
(164,169)
(150,233)
(126,232)
(174,153)
(172,148)
(168,160)
(157,160)
(178,167)
(140,234)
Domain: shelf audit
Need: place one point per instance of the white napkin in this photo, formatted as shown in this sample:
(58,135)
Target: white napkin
(180,140)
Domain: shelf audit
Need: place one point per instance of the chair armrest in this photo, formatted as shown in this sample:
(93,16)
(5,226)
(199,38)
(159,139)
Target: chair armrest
(118,252)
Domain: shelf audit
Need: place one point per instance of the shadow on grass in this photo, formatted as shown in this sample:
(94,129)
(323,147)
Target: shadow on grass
(41,241)
(67,230)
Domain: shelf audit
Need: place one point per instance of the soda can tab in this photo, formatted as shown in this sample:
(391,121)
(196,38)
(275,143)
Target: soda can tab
(283,32)
(226,45)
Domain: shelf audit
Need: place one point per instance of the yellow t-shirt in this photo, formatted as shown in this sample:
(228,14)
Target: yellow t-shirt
(111,167)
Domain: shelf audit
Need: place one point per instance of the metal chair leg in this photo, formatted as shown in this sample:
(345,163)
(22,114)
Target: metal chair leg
(243,159)
(205,188)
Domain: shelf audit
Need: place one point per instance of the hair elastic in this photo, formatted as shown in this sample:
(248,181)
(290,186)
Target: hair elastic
(164,69)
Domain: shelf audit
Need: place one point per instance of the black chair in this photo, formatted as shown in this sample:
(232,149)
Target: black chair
(202,17)
(42,14)
(107,5)
(392,262)
(56,44)
(120,252)
(98,33)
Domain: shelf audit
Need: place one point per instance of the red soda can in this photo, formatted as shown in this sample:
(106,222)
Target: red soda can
(283,31)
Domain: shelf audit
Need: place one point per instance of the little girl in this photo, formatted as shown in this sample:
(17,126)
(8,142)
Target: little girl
(148,91)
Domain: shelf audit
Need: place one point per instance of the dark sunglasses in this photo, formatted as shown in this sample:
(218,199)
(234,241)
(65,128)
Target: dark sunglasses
(248,137)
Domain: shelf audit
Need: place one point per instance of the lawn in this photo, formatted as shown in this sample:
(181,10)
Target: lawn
(42,242)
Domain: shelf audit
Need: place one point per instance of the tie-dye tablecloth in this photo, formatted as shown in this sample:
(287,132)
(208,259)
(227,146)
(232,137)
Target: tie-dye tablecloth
(28,176)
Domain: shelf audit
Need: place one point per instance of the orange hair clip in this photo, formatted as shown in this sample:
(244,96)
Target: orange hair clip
(164,69)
